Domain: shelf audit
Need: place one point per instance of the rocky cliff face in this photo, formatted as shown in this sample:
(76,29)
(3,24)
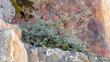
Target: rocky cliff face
(105,17)
(11,47)
(101,12)
(13,50)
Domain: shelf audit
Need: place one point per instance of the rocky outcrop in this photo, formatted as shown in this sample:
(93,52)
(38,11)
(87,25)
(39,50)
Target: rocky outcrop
(41,54)
(11,47)
(7,11)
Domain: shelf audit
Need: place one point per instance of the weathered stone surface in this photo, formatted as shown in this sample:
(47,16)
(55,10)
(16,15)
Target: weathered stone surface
(7,10)
(101,28)
(93,58)
(33,55)
(41,54)
(11,47)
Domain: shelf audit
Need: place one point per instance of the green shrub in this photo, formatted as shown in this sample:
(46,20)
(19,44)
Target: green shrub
(50,34)
(18,5)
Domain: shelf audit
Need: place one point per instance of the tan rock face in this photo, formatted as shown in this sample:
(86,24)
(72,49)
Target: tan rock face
(105,10)
(11,47)
(101,11)
(103,14)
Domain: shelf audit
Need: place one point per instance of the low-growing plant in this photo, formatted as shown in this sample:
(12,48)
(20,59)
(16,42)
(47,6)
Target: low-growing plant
(50,34)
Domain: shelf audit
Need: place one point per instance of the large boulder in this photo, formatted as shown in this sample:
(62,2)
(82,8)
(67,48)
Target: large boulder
(11,47)
(41,54)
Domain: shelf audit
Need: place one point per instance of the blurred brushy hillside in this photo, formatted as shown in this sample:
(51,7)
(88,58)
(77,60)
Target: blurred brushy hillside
(65,24)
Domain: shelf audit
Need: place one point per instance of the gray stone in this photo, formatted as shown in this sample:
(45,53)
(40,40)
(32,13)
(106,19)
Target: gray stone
(7,11)
(40,54)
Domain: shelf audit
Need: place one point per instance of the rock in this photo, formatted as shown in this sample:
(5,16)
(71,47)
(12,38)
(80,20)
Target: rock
(101,28)
(7,11)
(105,18)
(40,54)
(33,55)
(11,47)
(96,32)
(95,58)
